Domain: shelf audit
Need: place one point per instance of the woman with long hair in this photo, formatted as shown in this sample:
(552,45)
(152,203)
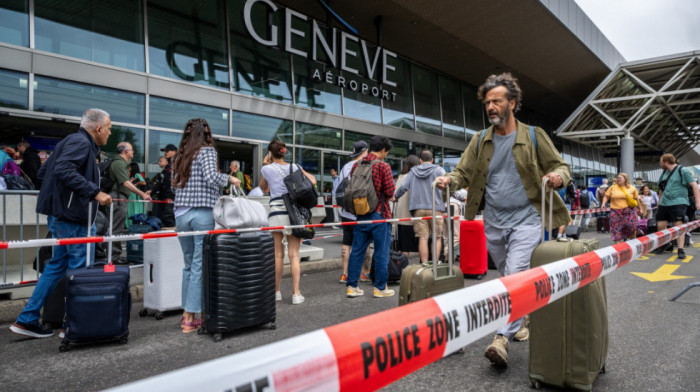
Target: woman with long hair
(623,217)
(273,173)
(196,181)
(406,237)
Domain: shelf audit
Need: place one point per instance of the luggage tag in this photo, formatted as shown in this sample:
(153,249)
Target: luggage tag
(109,268)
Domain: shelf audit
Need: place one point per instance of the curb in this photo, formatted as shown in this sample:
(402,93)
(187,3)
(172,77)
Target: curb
(9,309)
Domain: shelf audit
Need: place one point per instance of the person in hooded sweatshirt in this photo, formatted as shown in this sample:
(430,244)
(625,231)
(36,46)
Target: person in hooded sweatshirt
(419,181)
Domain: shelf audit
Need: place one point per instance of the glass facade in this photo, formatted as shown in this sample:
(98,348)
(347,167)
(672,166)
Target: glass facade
(14,91)
(207,44)
(14,22)
(72,99)
(135,136)
(103,31)
(169,113)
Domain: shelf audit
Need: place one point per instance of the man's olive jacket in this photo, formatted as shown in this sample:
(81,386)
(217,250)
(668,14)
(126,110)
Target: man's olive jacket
(473,169)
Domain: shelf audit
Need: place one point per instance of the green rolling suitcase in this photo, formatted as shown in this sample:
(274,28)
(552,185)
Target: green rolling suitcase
(569,337)
(423,281)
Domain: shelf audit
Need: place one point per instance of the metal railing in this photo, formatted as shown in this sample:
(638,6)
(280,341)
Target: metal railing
(19,214)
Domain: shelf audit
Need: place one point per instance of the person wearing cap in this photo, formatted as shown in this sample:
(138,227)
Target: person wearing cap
(163,188)
(359,151)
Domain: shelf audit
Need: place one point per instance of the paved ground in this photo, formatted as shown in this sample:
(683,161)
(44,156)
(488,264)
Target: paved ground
(653,342)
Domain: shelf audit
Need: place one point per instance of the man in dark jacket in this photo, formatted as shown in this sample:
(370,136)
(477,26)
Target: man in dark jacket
(70,184)
(165,190)
(30,161)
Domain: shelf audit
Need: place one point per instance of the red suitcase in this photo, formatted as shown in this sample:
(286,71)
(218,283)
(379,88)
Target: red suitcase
(473,256)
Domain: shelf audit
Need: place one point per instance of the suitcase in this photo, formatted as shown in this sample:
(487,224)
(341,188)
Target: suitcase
(238,272)
(573,231)
(603,224)
(642,226)
(569,337)
(98,305)
(55,306)
(652,226)
(397,263)
(423,281)
(473,257)
(163,262)
(134,248)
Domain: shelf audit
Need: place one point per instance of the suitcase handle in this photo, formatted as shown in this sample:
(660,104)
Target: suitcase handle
(449,232)
(545,180)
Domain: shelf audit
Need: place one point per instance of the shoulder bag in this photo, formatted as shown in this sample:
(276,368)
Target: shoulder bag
(300,188)
(298,215)
(630,201)
(238,212)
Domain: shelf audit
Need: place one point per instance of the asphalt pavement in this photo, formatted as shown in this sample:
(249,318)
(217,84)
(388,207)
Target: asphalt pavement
(653,342)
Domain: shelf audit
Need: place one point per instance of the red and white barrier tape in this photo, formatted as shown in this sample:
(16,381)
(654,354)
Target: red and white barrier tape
(589,211)
(373,351)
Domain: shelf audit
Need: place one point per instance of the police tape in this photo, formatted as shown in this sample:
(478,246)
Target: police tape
(34,243)
(376,350)
(589,211)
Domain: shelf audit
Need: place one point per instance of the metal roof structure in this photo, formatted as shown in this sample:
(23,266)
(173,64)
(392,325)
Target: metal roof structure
(655,101)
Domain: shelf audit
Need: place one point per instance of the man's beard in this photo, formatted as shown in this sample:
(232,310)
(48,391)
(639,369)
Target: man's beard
(501,119)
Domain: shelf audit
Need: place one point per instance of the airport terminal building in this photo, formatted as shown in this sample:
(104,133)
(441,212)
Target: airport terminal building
(318,75)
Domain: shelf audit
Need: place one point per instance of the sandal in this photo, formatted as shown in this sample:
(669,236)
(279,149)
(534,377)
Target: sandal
(191,326)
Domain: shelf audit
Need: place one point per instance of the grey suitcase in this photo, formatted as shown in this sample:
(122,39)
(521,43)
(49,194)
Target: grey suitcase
(569,337)
(423,281)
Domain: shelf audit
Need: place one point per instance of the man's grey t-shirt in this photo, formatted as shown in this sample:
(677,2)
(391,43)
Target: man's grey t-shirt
(507,204)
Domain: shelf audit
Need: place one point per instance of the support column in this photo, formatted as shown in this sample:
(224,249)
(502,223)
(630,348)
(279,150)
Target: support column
(627,157)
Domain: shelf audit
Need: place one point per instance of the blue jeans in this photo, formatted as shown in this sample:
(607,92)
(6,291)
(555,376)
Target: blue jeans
(64,257)
(195,219)
(381,233)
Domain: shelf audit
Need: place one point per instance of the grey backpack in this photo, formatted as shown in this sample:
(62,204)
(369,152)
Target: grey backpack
(360,197)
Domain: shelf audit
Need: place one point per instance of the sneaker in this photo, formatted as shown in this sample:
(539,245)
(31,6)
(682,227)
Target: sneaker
(497,352)
(343,278)
(297,299)
(34,330)
(354,292)
(523,333)
(681,254)
(669,248)
(365,278)
(278,296)
(383,293)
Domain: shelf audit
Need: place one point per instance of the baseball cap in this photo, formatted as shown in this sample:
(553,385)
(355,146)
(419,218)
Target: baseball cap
(169,147)
(358,148)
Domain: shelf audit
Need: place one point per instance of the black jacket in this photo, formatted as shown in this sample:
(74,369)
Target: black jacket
(163,188)
(31,163)
(70,179)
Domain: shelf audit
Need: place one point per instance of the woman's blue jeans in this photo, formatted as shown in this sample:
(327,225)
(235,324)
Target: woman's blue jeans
(195,219)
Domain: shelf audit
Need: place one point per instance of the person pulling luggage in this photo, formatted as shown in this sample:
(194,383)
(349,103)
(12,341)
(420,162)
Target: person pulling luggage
(504,167)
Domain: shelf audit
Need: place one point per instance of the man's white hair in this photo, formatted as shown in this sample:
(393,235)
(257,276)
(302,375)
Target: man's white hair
(93,118)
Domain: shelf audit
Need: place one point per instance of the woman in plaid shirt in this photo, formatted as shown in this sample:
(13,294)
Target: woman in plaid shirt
(196,181)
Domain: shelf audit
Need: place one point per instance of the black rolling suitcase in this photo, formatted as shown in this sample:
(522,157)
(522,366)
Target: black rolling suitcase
(97,304)
(238,271)
(603,224)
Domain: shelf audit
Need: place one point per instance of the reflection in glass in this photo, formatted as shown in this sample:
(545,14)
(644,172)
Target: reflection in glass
(187,41)
(452,158)
(309,160)
(169,113)
(135,136)
(13,89)
(253,126)
(258,70)
(359,105)
(72,99)
(102,31)
(452,108)
(318,136)
(400,149)
(427,100)
(399,113)
(311,92)
(14,22)
(352,137)
(473,110)
(156,141)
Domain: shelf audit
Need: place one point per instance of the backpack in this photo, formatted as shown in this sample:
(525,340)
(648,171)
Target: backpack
(360,197)
(340,191)
(570,193)
(585,199)
(106,181)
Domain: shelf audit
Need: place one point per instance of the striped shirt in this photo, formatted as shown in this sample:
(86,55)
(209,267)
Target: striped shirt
(202,188)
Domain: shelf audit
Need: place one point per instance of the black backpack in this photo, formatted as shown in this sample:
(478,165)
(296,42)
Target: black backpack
(106,181)
(340,191)
(585,199)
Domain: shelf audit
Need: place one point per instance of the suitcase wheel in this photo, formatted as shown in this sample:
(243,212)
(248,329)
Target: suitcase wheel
(143,312)
(218,337)
(602,370)
(535,384)
(272,326)
(202,331)
(159,315)
(64,347)
(124,340)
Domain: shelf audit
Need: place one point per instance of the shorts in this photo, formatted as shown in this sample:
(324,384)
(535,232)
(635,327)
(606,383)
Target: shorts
(348,231)
(424,227)
(278,215)
(674,213)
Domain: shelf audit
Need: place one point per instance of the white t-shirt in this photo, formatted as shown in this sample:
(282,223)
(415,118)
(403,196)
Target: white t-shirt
(274,174)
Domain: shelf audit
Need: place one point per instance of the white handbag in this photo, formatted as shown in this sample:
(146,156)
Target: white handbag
(238,212)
